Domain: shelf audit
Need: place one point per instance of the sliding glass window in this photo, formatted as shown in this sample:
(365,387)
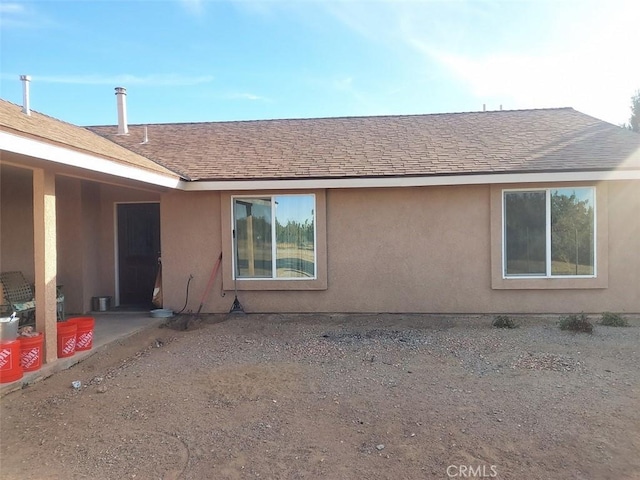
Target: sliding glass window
(549,232)
(274,237)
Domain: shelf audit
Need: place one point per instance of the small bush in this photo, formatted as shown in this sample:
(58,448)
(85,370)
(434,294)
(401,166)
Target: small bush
(613,320)
(576,323)
(502,321)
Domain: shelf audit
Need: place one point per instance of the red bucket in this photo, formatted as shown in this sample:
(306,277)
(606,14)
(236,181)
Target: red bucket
(31,352)
(66,339)
(10,369)
(84,333)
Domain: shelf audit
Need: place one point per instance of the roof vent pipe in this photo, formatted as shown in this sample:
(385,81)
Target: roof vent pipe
(26,108)
(121,97)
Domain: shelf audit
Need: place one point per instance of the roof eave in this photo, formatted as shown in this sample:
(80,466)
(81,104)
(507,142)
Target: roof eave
(412,181)
(23,145)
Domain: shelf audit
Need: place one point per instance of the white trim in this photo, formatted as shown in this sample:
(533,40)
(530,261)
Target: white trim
(503,233)
(548,253)
(595,232)
(67,156)
(547,232)
(423,181)
(116,254)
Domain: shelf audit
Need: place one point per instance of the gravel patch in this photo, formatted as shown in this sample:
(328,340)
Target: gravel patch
(337,396)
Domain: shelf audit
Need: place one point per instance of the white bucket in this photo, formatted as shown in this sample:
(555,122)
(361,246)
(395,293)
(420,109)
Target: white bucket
(9,328)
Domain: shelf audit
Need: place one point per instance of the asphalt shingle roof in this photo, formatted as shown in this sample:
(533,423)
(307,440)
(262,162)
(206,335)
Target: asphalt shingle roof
(55,131)
(545,140)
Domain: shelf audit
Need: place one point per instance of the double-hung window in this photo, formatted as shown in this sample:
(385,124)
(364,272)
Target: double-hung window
(549,232)
(274,237)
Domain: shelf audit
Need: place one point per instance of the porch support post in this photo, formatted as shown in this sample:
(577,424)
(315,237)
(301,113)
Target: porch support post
(45,258)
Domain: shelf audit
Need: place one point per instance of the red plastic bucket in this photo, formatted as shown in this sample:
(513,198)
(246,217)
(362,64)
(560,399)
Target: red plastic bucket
(10,369)
(31,352)
(66,339)
(84,333)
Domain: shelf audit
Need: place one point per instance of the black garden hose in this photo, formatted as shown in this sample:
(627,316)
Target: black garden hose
(186,300)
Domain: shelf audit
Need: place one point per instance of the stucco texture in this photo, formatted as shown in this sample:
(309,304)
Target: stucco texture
(422,249)
(85,230)
(398,250)
(16,220)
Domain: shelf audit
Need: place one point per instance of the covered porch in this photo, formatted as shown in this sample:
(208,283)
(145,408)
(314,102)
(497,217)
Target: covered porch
(59,228)
(61,192)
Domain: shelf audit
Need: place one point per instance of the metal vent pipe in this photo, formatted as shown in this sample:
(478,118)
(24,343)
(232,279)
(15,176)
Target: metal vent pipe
(121,97)
(26,107)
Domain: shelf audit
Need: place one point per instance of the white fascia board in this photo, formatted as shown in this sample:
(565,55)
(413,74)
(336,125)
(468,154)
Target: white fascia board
(66,156)
(440,180)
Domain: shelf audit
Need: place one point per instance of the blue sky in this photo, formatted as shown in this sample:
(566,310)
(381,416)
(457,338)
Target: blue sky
(206,60)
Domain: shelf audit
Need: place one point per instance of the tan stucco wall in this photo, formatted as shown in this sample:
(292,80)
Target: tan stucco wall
(388,250)
(191,244)
(85,222)
(86,236)
(16,220)
(624,241)
(70,241)
(400,250)
(109,197)
(618,252)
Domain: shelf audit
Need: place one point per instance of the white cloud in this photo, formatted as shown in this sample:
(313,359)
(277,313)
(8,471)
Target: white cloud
(247,96)
(344,83)
(160,80)
(194,7)
(595,85)
(520,54)
(11,8)
(19,15)
(590,66)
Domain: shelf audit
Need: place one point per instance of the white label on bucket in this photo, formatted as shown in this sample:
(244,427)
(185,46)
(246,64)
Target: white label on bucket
(29,357)
(5,359)
(84,340)
(69,345)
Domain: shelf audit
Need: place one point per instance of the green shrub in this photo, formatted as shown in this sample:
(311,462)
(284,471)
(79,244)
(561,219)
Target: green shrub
(613,320)
(576,323)
(502,321)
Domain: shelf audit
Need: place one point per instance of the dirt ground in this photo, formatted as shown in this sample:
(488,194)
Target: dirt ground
(337,397)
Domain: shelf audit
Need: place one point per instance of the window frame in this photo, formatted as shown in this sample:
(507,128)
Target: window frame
(274,245)
(225,205)
(498,281)
(548,244)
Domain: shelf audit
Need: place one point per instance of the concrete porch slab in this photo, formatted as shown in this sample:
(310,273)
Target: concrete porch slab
(109,327)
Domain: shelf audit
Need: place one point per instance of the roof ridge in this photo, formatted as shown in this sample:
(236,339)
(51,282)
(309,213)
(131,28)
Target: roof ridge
(345,117)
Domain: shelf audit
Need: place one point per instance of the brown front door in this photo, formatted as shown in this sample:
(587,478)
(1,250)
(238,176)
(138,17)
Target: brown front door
(138,252)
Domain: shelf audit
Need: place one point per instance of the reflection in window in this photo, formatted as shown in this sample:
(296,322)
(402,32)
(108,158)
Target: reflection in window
(253,237)
(295,236)
(286,251)
(572,245)
(525,233)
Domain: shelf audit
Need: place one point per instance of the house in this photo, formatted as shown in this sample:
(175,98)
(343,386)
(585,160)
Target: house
(528,211)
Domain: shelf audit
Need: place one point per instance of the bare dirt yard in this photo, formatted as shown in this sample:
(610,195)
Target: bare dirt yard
(337,397)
